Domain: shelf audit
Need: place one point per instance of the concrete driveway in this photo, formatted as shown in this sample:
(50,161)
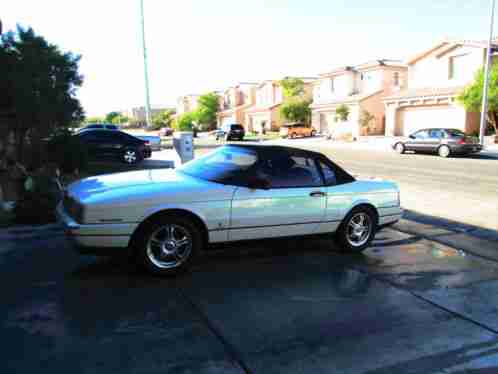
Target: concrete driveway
(408,305)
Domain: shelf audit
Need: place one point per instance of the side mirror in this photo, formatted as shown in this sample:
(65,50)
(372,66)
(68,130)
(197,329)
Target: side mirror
(257,183)
(412,136)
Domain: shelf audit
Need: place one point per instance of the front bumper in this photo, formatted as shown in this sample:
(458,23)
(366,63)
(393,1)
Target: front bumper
(95,238)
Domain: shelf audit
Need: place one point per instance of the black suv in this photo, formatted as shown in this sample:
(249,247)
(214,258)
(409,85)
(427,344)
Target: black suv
(114,144)
(234,131)
(444,142)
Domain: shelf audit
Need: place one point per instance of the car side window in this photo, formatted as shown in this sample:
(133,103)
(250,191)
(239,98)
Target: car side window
(328,174)
(89,137)
(287,171)
(423,134)
(436,134)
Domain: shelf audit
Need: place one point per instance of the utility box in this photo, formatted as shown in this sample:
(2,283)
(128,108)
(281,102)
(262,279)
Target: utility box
(183,143)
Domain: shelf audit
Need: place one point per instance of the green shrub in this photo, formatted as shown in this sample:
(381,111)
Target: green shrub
(185,122)
(342,112)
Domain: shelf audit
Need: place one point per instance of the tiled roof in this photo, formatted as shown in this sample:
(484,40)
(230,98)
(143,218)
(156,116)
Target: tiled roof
(425,92)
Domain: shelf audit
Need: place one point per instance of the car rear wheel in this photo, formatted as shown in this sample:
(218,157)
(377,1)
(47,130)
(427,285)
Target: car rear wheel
(357,230)
(130,156)
(293,135)
(169,245)
(444,151)
(400,148)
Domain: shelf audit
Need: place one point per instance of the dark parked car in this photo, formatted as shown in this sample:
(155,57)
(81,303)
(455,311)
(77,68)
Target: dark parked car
(115,144)
(444,142)
(166,131)
(234,131)
(153,141)
(99,126)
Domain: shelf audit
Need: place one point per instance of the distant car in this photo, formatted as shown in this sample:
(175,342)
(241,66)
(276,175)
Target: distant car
(232,131)
(444,142)
(237,192)
(166,131)
(294,130)
(113,144)
(153,141)
(99,126)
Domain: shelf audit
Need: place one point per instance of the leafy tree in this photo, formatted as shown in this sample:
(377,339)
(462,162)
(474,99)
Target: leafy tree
(208,106)
(162,119)
(342,112)
(94,120)
(296,110)
(366,118)
(38,83)
(119,119)
(185,122)
(109,118)
(471,96)
(292,87)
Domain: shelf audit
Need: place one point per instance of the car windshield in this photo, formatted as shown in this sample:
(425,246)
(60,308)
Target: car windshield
(221,165)
(237,127)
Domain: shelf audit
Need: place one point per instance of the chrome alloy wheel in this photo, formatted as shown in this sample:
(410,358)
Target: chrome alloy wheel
(169,246)
(359,229)
(130,156)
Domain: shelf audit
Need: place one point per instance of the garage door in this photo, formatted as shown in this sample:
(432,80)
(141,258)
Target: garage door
(228,121)
(414,119)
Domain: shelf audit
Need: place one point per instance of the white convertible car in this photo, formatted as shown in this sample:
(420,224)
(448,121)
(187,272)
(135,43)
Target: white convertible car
(237,192)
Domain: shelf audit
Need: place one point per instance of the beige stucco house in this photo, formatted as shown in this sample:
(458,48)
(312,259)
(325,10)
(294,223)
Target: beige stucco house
(234,101)
(266,110)
(360,88)
(186,103)
(435,77)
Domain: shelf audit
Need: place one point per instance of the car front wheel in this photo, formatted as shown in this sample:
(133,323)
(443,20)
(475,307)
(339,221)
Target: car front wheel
(130,156)
(169,245)
(357,230)
(400,148)
(444,151)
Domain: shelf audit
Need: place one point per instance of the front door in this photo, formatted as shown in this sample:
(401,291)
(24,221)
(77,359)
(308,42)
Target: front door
(294,204)
(418,141)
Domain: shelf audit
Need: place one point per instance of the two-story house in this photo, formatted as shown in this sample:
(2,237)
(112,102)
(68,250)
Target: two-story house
(265,111)
(233,103)
(360,89)
(435,78)
(186,103)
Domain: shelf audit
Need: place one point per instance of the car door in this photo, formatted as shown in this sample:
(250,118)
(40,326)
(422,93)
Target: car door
(293,204)
(418,141)
(338,200)
(90,139)
(435,137)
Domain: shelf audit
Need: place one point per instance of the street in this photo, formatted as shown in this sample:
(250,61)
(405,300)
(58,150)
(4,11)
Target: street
(407,305)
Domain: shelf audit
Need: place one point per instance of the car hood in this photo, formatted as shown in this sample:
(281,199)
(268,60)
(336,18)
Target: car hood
(146,186)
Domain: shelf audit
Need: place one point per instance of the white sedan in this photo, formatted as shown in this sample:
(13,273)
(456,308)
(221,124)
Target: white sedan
(236,192)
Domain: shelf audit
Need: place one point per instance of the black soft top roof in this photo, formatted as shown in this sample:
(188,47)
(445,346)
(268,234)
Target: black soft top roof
(273,150)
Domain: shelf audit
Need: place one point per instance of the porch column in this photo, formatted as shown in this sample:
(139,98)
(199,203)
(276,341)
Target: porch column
(391,110)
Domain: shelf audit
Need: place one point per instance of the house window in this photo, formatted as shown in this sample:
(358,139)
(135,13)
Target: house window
(332,89)
(396,78)
(456,66)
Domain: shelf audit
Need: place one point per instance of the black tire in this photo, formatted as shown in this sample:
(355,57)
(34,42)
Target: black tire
(148,253)
(400,148)
(444,151)
(343,236)
(131,156)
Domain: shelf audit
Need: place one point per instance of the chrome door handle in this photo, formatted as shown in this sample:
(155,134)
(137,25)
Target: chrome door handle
(317,194)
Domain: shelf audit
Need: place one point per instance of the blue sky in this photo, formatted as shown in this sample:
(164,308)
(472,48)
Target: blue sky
(200,45)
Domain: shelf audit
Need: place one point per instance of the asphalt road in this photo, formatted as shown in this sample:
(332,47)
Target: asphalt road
(407,305)
(462,189)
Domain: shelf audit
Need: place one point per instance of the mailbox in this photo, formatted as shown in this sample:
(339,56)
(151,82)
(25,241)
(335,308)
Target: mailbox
(184,145)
